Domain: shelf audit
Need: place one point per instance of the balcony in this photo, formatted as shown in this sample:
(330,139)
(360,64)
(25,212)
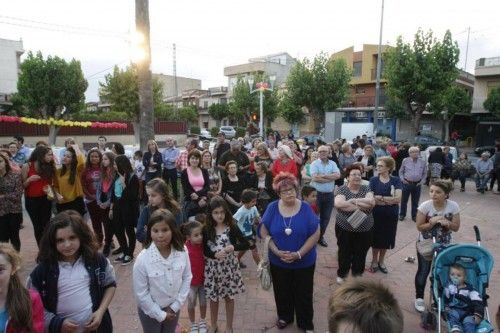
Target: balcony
(365,101)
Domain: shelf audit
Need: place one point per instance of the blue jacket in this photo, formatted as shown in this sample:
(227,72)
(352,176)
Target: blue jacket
(140,234)
(44,279)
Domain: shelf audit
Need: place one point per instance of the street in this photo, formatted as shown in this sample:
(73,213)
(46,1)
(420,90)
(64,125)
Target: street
(255,310)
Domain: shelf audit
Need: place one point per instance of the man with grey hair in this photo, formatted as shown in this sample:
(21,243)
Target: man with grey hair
(170,155)
(235,154)
(483,168)
(412,173)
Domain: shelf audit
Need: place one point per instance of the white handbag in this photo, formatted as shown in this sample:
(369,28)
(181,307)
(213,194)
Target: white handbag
(264,269)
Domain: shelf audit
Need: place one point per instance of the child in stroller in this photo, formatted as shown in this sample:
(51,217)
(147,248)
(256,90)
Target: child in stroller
(463,304)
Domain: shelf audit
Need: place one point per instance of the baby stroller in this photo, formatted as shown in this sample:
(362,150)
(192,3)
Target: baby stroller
(478,264)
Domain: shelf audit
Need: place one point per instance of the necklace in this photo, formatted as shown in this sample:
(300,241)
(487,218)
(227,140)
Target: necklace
(288,229)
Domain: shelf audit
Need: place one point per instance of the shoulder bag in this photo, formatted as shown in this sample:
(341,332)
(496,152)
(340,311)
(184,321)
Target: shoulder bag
(425,247)
(264,269)
(356,218)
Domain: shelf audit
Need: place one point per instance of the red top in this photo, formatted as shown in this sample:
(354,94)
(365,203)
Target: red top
(90,178)
(197,260)
(35,189)
(315,208)
(37,315)
(289,167)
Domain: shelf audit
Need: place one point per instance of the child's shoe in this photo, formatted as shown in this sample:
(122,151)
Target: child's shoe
(202,326)
(194,328)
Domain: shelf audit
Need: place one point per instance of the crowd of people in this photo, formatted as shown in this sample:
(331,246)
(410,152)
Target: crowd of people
(196,212)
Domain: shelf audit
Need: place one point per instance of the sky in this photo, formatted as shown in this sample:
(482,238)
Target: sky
(210,35)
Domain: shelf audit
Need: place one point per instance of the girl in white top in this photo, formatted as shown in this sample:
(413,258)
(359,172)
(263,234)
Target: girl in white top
(162,275)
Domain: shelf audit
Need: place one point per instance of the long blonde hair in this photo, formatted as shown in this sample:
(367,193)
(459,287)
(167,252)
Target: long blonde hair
(18,302)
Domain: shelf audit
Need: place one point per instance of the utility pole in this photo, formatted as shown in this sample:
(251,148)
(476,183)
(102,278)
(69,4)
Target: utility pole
(467,49)
(377,82)
(146,115)
(176,89)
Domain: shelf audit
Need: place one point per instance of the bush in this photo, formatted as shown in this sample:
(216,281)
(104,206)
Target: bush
(240,132)
(214,131)
(100,116)
(195,130)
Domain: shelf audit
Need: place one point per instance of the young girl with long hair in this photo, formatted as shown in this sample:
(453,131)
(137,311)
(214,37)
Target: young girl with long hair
(162,275)
(103,198)
(193,231)
(158,197)
(124,209)
(76,282)
(11,216)
(21,310)
(91,176)
(38,174)
(221,238)
(68,182)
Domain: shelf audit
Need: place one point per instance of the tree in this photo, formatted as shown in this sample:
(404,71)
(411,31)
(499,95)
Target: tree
(188,114)
(418,74)
(144,75)
(244,103)
(492,103)
(454,101)
(121,90)
(51,88)
(218,112)
(320,86)
(292,113)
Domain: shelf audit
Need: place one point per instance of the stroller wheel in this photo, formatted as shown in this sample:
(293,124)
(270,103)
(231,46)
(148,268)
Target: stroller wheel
(428,321)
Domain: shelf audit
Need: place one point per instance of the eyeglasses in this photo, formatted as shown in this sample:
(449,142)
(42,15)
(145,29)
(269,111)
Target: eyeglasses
(288,191)
(355,175)
(380,166)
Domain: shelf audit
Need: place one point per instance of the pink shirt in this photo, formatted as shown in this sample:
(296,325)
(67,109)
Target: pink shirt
(197,182)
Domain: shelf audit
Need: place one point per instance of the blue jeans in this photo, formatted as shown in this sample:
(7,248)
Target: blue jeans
(482,181)
(414,191)
(325,206)
(459,317)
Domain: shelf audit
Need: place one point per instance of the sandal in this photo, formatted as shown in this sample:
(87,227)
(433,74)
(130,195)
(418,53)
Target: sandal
(383,269)
(373,268)
(281,324)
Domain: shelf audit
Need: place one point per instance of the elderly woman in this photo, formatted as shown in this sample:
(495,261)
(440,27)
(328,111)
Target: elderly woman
(368,161)
(214,174)
(262,155)
(438,216)
(346,158)
(387,192)
(285,162)
(353,239)
(294,231)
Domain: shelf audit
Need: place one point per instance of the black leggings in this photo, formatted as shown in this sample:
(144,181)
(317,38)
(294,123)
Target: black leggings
(78,205)
(124,225)
(9,229)
(40,211)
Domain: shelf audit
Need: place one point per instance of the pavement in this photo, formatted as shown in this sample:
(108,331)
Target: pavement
(255,309)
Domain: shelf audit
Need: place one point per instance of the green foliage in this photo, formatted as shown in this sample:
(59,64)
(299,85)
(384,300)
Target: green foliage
(396,108)
(164,112)
(492,103)
(320,86)
(214,131)
(418,74)
(188,114)
(47,87)
(292,113)
(218,111)
(100,116)
(195,130)
(455,100)
(121,89)
(240,132)
(269,130)
(17,108)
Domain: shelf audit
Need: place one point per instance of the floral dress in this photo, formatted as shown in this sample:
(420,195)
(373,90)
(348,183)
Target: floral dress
(222,276)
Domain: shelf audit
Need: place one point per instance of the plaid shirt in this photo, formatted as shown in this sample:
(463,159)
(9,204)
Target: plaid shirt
(182,161)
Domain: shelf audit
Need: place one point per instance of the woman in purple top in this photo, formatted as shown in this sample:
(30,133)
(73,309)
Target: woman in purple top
(294,231)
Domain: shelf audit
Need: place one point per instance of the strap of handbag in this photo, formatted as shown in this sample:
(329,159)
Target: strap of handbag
(265,249)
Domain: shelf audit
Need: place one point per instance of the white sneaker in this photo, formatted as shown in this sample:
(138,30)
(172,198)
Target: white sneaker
(455,329)
(419,305)
(340,280)
(194,328)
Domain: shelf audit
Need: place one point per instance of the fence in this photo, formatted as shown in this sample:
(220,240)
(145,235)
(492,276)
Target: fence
(22,129)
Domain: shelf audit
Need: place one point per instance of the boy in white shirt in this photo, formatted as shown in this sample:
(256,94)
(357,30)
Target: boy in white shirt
(247,217)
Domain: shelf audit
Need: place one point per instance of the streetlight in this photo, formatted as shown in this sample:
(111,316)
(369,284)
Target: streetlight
(261,87)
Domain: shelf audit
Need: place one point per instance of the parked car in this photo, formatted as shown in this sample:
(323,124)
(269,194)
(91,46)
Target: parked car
(311,139)
(425,153)
(425,141)
(205,134)
(479,150)
(229,131)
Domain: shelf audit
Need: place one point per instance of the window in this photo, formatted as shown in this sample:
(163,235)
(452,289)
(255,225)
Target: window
(205,104)
(356,68)
(359,90)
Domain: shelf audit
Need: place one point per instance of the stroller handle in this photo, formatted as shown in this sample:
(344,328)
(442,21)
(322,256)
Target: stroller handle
(478,235)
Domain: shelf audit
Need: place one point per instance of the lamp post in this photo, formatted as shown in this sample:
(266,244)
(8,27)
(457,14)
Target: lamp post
(261,87)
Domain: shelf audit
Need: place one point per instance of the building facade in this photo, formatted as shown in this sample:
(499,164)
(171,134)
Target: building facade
(10,62)
(183,84)
(487,77)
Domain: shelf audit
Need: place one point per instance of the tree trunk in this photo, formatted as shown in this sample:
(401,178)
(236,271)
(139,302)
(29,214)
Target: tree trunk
(447,123)
(146,114)
(137,131)
(53,131)
(416,123)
